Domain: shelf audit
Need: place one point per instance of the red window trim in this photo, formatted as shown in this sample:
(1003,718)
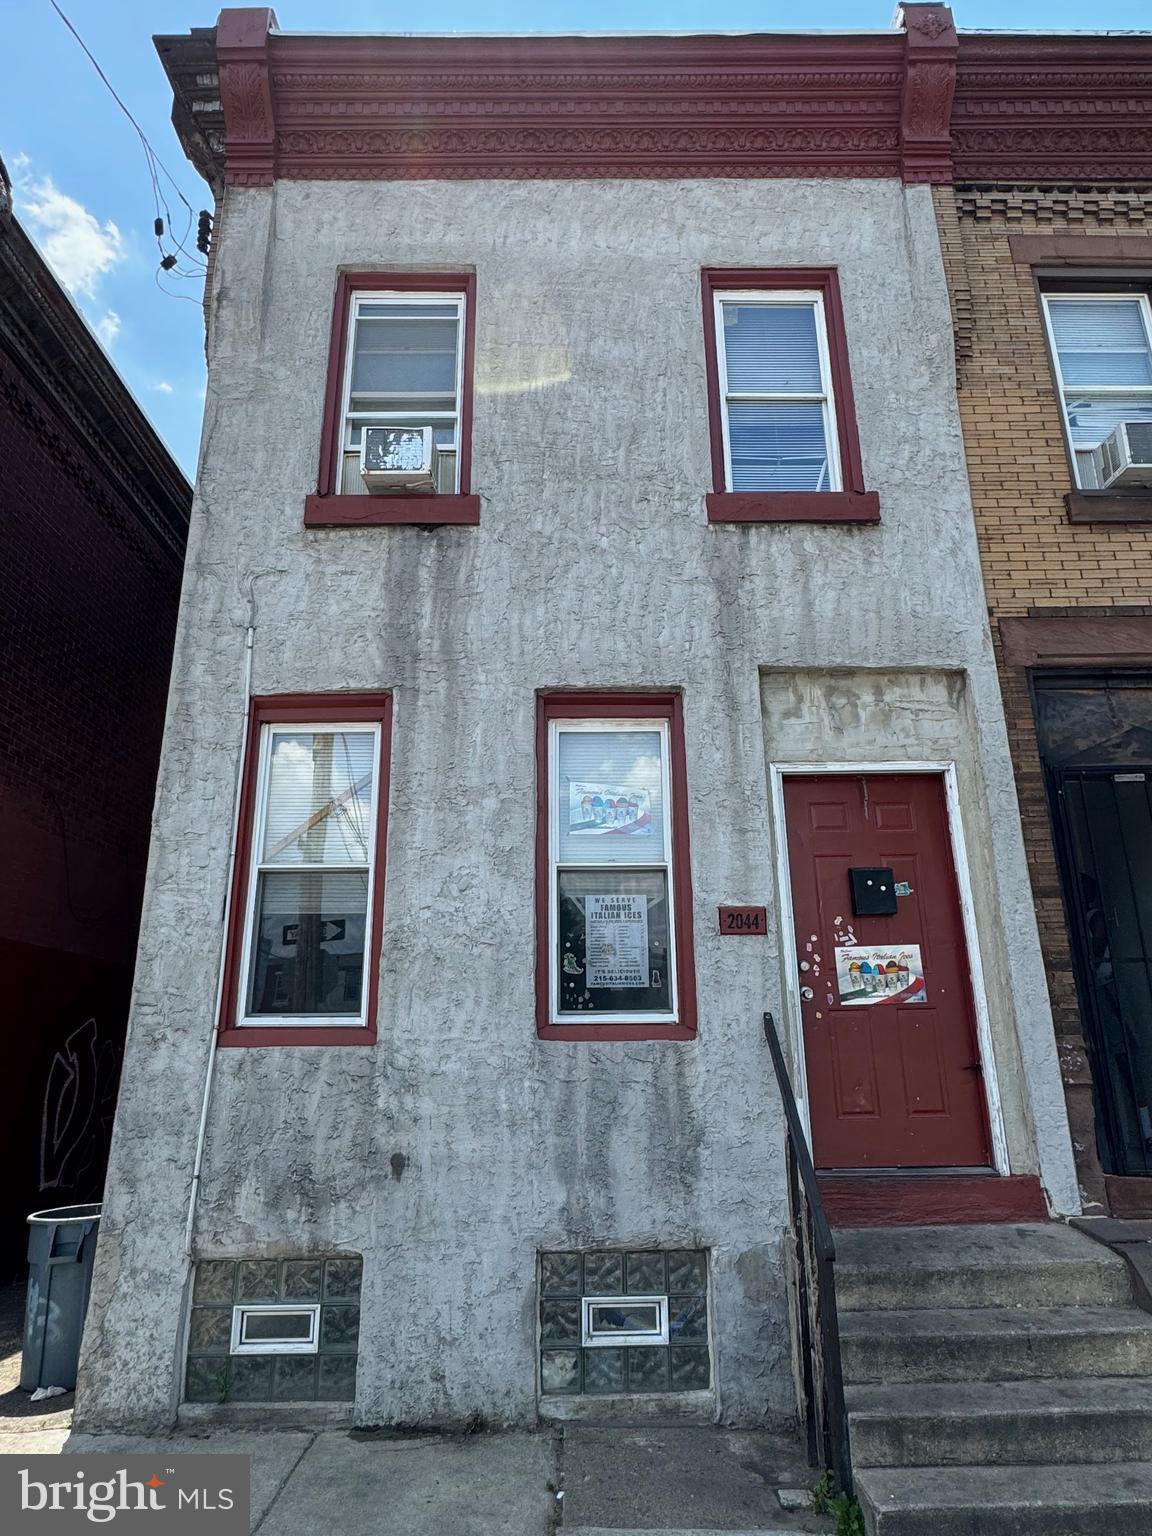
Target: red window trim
(851,504)
(326,508)
(287,709)
(570,705)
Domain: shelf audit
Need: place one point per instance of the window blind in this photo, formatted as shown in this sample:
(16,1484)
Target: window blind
(777,446)
(610,800)
(771,349)
(1101,341)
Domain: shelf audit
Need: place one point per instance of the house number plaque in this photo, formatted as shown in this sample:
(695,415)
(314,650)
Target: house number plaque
(743,920)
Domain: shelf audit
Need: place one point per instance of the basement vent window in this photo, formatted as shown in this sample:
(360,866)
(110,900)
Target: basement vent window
(274,1330)
(610,1320)
(616,1322)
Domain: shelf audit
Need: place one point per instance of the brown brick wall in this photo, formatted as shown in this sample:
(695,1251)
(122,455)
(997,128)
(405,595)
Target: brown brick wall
(1035,561)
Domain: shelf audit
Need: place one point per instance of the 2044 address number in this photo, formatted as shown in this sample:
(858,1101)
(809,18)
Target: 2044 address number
(743,920)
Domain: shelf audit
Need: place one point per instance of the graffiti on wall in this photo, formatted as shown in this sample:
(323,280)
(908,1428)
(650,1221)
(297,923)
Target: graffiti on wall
(79,1103)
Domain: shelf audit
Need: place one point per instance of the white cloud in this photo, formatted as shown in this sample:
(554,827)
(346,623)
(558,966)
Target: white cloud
(163,388)
(21,161)
(78,248)
(108,327)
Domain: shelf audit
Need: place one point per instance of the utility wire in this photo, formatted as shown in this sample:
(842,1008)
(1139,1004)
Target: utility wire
(152,159)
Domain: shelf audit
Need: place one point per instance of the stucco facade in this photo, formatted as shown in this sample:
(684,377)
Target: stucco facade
(459,1146)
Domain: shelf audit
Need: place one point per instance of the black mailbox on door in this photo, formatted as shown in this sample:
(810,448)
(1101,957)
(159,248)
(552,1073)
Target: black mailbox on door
(873,892)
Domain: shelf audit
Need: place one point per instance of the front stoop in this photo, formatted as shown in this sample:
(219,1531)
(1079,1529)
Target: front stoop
(998,1382)
(1008,1501)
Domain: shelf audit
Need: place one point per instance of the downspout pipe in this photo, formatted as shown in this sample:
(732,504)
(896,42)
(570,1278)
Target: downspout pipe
(241,763)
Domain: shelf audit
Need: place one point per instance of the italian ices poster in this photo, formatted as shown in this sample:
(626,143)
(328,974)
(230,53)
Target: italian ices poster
(604,810)
(893,973)
(616,938)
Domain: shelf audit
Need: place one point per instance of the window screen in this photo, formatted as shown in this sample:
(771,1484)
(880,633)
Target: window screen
(611,872)
(778,412)
(1103,347)
(312,874)
(404,369)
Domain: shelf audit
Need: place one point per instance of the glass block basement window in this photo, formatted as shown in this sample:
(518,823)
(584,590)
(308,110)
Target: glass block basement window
(668,1286)
(320,1368)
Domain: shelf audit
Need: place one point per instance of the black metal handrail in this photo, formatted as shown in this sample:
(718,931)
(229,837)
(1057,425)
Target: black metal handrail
(814,1279)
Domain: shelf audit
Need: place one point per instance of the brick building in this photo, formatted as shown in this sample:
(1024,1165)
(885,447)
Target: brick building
(1048,255)
(93,524)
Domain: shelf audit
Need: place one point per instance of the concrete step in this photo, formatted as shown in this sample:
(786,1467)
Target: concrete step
(965,1423)
(1033,1265)
(995,1344)
(1113,1500)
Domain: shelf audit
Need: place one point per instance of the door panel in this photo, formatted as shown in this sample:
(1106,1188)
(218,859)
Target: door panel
(894,1081)
(1106,821)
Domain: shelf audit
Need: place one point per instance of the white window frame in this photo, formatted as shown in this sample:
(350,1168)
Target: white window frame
(256,867)
(556,867)
(350,418)
(244,1310)
(811,297)
(1063,390)
(591,1339)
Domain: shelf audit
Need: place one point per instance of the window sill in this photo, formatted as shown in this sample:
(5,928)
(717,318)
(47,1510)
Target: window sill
(305,1034)
(793,507)
(391,511)
(1109,506)
(615,1032)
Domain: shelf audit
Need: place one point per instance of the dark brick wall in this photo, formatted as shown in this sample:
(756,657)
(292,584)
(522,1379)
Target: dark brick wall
(88,597)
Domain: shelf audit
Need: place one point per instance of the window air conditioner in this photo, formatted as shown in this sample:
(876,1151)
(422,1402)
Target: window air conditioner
(398,459)
(1125,455)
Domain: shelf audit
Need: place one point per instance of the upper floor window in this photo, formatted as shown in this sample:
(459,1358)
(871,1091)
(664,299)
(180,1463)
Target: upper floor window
(307,901)
(614,859)
(404,370)
(779,413)
(1102,351)
(401,362)
(782,419)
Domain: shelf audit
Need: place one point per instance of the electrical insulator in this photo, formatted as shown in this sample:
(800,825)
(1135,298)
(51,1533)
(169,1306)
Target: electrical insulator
(203,231)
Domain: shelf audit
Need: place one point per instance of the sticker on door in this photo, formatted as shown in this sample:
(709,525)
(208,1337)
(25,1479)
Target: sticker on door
(867,976)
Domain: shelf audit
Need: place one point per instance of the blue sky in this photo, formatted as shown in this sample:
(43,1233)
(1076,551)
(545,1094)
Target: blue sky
(82,186)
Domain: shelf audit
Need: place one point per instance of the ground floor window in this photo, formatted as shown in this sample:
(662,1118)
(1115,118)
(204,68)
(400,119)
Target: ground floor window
(274,1330)
(614,920)
(619,1321)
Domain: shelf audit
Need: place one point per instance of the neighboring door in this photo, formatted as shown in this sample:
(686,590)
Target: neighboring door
(1104,823)
(893,1067)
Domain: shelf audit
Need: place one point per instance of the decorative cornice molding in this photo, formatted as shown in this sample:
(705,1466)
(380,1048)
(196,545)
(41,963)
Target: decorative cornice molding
(920,103)
(1053,206)
(245,84)
(928,87)
(1076,108)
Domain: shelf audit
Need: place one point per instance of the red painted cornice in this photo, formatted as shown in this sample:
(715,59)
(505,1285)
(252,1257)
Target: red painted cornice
(1053,109)
(920,103)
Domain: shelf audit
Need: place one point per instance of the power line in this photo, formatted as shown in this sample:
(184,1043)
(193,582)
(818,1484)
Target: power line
(152,159)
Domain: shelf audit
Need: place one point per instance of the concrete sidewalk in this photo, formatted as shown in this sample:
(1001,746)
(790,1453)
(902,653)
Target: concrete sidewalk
(574,1481)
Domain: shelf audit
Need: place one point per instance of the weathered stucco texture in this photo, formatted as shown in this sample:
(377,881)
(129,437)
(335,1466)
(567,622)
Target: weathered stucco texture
(593,566)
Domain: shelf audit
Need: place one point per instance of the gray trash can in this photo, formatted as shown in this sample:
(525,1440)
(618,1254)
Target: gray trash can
(61,1251)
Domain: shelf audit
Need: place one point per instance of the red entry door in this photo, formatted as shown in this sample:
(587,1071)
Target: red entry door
(892,1062)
